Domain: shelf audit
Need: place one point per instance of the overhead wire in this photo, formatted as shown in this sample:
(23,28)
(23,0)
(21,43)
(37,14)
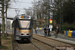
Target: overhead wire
(20,3)
(17,10)
(23,2)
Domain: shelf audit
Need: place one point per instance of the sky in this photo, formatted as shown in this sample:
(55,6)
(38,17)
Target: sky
(21,4)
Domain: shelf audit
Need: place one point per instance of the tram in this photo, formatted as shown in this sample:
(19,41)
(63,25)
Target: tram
(22,27)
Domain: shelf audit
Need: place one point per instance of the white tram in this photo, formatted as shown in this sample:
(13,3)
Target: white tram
(22,27)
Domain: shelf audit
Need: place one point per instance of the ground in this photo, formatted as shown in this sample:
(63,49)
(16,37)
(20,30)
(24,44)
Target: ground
(6,43)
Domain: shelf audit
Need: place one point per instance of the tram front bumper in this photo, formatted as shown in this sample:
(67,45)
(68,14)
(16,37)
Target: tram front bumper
(24,37)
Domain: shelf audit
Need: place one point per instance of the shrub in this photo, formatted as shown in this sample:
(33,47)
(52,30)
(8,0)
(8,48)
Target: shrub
(67,27)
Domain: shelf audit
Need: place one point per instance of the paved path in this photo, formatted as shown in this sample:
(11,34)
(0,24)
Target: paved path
(62,36)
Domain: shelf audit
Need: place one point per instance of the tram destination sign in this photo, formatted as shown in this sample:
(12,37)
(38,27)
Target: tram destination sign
(25,17)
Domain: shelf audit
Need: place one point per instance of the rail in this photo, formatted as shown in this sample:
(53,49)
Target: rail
(12,42)
(18,46)
(47,44)
(57,40)
(36,46)
(57,48)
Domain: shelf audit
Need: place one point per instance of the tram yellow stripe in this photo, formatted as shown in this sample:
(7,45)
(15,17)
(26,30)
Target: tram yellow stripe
(24,31)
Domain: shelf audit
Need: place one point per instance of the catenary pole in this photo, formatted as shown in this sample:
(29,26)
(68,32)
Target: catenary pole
(0,34)
(60,15)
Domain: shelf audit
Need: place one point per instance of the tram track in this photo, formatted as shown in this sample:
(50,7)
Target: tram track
(58,45)
(36,46)
(57,40)
(32,44)
(19,48)
(27,46)
(42,45)
(53,47)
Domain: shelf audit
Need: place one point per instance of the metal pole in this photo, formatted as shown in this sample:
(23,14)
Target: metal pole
(53,18)
(49,12)
(0,34)
(49,17)
(60,15)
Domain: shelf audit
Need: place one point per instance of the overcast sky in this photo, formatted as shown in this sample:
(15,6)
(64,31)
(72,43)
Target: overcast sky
(21,4)
(18,4)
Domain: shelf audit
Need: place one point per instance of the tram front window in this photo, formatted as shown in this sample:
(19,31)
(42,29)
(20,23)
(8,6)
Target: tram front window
(24,24)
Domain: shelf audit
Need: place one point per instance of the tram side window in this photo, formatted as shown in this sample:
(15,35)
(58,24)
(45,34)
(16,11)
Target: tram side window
(17,24)
(31,23)
(13,24)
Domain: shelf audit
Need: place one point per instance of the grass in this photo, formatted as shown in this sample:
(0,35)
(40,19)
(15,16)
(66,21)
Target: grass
(6,43)
(5,38)
(3,47)
(9,42)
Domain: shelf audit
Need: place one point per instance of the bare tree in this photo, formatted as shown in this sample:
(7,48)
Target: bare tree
(28,11)
(37,8)
(3,3)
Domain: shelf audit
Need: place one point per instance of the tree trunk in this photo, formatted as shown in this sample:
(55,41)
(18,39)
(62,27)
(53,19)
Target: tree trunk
(6,18)
(3,20)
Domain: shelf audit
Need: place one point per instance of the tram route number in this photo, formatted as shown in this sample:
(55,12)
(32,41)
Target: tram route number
(66,48)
